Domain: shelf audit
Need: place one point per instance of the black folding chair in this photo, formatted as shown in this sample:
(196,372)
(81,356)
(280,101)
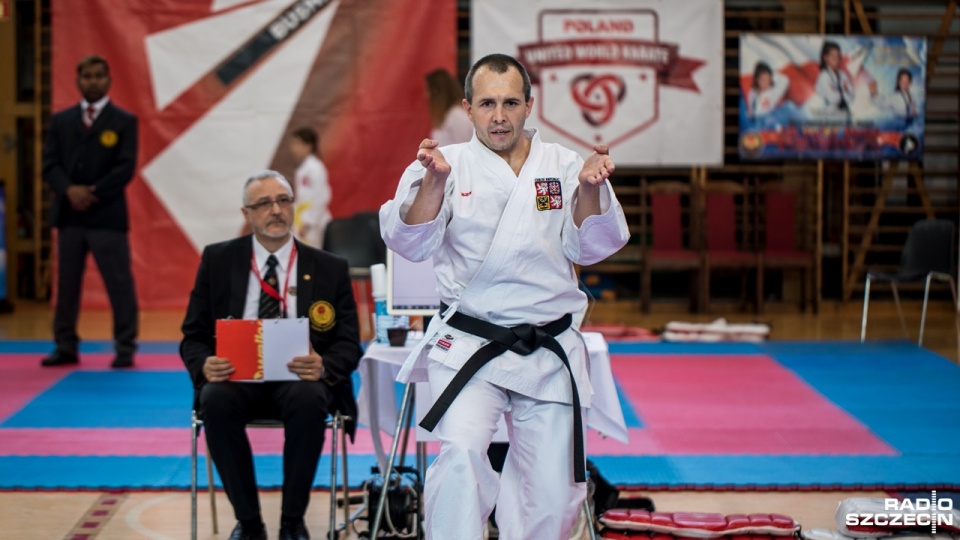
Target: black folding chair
(930,254)
(337,423)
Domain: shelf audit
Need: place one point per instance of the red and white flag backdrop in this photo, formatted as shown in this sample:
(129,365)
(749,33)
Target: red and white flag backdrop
(643,76)
(218,87)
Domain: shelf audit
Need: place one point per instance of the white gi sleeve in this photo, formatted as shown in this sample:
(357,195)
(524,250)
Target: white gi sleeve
(599,236)
(413,242)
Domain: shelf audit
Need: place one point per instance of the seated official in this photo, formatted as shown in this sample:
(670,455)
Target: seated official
(265,275)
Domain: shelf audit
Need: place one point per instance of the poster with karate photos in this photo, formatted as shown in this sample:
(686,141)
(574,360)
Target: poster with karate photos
(832,97)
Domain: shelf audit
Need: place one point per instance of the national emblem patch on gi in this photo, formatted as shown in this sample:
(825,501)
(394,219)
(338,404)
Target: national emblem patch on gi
(549,194)
(322,316)
(109,138)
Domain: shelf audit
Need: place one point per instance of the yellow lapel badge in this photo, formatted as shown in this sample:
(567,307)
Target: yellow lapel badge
(322,316)
(109,138)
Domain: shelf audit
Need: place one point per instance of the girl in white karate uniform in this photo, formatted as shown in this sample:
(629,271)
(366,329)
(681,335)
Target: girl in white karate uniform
(767,90)
(312,210)
(902,103)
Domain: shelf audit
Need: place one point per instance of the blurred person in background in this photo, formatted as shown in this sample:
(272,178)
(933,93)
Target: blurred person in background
(449,119)
(312,212)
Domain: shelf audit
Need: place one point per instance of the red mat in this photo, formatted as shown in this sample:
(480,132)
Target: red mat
(739,404)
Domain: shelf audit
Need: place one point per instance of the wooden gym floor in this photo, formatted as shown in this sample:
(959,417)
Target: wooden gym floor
(165,515)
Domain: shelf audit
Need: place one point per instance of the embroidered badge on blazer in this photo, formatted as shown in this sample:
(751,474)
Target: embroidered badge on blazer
(549,195)
(322,316)
(109,138)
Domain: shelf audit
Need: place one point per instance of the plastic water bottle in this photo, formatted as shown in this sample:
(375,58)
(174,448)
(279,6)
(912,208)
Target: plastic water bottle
(382,321)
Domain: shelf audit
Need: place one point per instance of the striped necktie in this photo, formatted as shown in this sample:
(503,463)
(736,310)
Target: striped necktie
(270,306)
(88,116)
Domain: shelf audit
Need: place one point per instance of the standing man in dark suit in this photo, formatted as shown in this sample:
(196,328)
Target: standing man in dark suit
(89,157)
(271,274)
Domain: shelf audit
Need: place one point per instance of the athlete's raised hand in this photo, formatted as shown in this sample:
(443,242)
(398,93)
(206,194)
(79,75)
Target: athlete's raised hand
(598,167)
(432,159)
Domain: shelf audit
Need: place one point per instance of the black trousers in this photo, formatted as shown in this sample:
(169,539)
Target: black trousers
(111,252)
(227,407)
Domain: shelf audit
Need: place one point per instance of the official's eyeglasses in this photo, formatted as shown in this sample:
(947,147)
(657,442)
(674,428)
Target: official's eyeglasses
(262,206)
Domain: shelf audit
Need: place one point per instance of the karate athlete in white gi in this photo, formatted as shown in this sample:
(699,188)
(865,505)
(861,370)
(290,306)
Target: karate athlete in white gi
(505,217)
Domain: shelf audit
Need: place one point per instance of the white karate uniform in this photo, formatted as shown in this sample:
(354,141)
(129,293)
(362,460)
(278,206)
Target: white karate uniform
(899,103)
(501,259)
(313,200)
(760,102)
(832,86)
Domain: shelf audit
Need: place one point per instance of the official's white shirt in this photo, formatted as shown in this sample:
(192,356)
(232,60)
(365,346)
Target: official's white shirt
(499,258)
(251,307)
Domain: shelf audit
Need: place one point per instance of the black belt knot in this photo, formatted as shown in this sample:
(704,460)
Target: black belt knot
(522,339)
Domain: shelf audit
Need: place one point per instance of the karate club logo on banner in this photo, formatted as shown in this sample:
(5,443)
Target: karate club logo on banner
(599,72)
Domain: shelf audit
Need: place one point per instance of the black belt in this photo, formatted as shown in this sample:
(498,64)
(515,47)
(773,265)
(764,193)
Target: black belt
(523,339)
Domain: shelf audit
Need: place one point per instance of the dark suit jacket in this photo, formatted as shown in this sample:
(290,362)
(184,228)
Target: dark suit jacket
(221,290)
(105,156)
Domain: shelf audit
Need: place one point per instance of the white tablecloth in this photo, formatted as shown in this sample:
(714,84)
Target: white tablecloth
(381,363)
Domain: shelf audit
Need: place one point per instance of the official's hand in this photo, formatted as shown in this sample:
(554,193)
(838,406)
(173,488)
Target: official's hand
(217,369)
(432,159)
(81,197)
(598,167)
(307,367)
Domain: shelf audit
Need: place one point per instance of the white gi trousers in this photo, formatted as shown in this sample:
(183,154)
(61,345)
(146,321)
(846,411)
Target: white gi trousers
(536,496)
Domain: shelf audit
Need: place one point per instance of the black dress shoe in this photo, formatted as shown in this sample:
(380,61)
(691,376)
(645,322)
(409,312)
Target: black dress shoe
(60,358)
(248,533)
(122,361)
(293,530)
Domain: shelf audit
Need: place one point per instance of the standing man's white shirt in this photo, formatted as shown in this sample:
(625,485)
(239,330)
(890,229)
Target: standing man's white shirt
(313,200)
(97,108)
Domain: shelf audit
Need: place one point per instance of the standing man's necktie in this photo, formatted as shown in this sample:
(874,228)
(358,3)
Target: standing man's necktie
(89,115)
(270,306)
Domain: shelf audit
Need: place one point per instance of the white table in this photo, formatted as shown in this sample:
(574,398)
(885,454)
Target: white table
(381,363)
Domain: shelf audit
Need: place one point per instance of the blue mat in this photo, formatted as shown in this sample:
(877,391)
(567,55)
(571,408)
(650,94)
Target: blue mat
(146,473)
(907,397)
(110,399)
